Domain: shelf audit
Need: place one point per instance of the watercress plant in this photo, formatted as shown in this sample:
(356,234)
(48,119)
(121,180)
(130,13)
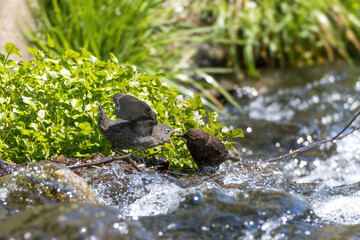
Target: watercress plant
(48,106)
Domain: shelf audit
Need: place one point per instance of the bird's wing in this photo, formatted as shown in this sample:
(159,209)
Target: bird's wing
(132,109)
(195,152)
(217,144)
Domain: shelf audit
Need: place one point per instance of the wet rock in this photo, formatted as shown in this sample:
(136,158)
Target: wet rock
(252,214)
(7,168)
(338,232)
(117,188)
(41,183)
(71,221)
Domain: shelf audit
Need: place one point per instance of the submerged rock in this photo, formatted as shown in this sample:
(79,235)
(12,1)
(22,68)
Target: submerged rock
(7,168)
(71,221)
(334,232)
(41,183)
(253,214)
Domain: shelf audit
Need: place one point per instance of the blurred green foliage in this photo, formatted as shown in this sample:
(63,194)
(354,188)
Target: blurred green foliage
(124,28)
(285,32)
(48,106)
(162,35)
(136,31)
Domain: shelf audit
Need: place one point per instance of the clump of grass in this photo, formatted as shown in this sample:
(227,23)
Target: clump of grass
(164,35)
(102,26)
(282,33)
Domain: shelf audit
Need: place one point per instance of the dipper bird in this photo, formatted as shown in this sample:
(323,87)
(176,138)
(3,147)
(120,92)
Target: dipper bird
(138,128)
(206,149)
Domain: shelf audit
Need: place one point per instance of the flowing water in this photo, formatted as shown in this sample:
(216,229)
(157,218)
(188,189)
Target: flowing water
(312,195)
(318,106)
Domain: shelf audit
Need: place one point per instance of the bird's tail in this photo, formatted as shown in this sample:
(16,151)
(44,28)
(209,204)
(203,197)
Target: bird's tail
(102,118)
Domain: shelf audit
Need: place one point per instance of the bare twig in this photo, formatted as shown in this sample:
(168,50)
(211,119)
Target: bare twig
(128,159)
(100,162)
(302,149)
(28,158)
(348,125)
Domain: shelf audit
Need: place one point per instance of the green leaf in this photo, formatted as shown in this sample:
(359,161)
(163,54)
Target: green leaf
(237,133)
(26,132)
(86,53)
(29,101)
(41,114)
(50,41)
(10,48)
(198,100)
(65,73)
(34,51)
(85,128)
(70,54)
(113,58)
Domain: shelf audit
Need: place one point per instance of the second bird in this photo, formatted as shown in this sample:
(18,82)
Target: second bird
(138,128)
(206,149)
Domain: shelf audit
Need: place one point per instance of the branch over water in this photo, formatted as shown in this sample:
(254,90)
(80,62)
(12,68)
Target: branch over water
(302,149)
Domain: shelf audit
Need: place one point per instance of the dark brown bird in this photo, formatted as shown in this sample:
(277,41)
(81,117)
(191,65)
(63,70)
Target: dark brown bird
(206,149)
(138,128)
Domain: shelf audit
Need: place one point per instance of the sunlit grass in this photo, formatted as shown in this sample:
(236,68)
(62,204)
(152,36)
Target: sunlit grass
(285,32)
(164,35)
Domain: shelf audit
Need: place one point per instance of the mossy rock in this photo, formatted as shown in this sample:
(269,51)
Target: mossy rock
(42,183)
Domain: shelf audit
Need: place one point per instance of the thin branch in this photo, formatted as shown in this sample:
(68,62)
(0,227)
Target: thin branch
(28,157)
(100,162)
(128,159)
(302,149)
(348,125)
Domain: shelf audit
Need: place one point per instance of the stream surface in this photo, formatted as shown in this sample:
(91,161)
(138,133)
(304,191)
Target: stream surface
(313,195)
(315,104)
(310,196)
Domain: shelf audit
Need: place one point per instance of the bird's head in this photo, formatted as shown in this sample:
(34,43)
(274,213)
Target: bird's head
(162,132)
(194,136)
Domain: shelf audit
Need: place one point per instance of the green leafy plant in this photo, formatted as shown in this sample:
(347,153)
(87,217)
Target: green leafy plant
(48,106)
(140,32)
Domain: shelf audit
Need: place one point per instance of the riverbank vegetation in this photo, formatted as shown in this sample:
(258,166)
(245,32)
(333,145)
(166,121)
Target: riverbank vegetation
(48,106)
(192,41)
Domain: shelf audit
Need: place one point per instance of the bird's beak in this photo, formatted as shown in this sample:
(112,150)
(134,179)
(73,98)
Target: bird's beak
(175,130)
(180,135)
